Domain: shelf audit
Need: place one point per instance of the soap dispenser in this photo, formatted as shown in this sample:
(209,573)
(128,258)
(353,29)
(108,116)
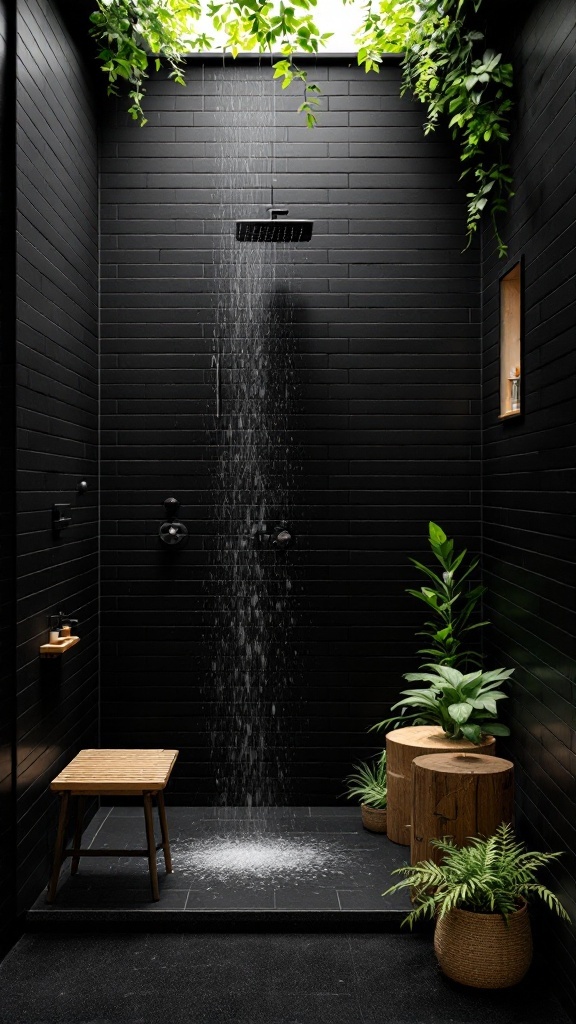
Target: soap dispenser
(54,629)
(67,623)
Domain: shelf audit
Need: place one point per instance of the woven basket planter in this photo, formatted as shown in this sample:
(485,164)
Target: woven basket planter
(481,950)
(373,818)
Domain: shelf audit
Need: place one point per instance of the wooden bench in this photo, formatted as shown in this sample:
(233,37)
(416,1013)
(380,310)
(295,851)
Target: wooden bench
(142,773)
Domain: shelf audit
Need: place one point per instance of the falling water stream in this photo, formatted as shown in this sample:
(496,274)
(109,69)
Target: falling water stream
(251,665)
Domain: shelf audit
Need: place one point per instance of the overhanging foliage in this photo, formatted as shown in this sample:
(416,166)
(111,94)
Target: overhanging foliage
(446,65)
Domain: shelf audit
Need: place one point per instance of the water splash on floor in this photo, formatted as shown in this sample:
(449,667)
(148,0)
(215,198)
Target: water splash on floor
(251,859)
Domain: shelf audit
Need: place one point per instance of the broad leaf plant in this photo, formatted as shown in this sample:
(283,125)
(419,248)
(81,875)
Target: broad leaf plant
(446,65)
(462,705)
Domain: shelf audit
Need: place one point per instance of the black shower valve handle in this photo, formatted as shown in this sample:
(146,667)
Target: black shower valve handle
(171,505)
(281,536)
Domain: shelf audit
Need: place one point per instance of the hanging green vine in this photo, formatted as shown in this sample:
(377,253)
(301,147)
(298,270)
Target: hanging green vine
(444,60)
(446,66)
(134,33)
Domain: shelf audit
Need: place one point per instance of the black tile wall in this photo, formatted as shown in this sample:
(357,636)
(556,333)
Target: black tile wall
(56,417)
(8,503)
(529,464)
(386,422)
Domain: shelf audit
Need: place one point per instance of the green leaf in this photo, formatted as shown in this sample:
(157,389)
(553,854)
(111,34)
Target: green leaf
(416,677)
(451,675)
(497,729)
(460,712)
(436,533)
(472,733)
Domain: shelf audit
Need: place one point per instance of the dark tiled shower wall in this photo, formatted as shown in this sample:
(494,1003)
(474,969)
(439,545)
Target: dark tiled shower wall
(529,464)
(7,505)
(386,427)
(56,409)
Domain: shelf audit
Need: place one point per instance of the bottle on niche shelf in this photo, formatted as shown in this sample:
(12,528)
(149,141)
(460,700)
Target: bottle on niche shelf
(514,388)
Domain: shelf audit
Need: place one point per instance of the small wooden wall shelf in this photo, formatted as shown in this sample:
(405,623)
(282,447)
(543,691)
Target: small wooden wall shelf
(58,648)
(511,343)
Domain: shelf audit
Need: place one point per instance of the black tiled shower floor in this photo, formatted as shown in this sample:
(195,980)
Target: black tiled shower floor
(231,864)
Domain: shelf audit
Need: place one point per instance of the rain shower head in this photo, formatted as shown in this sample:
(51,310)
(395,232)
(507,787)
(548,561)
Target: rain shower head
(271,229)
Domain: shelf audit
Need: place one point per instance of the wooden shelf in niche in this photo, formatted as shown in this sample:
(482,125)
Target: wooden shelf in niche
(62,645)
(511,343)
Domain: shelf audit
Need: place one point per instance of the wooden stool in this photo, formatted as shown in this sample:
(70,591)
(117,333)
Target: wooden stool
(113,773)
(458,795)
(402,746)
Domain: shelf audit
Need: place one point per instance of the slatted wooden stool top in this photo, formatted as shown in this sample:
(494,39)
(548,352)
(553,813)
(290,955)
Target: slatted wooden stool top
(142,773)
(105,772)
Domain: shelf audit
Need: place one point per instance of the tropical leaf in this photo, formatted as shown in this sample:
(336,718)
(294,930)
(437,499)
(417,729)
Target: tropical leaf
(497,729)
(460,712)
(463,706)
(472,733)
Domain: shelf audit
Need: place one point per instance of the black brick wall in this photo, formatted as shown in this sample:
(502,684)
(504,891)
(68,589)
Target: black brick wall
(529,464)
(8,503)
(56,410)
(386,422)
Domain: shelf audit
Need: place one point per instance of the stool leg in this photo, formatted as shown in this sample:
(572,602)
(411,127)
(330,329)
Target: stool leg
(151,843)
(77,835)
(59,848)
(164,830)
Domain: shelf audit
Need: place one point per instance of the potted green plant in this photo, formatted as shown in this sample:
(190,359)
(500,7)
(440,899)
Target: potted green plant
(478,897)
(456,712)
(451,600)
(369,784)
(462,705)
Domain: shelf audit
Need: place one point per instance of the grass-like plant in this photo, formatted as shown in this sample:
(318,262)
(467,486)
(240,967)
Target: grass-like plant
(489,876)
(452,602)
(368,783)
(462,705)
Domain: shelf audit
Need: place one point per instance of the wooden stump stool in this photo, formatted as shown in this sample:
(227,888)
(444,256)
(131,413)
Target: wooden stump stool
(458,795)
(402,746)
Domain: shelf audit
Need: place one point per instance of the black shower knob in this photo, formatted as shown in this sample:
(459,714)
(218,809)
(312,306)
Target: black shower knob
(171,505)
(173,533)
(281,536)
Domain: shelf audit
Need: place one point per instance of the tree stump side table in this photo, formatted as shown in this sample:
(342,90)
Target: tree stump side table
(402,746)
(458,795)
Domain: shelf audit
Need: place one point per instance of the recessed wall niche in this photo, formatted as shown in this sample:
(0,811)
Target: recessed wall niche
(511,342)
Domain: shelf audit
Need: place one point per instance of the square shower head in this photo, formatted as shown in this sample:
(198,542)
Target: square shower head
(273,230)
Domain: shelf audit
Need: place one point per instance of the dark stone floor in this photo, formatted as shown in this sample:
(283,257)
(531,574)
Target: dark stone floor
(274,917)
(267,864)
(251,979)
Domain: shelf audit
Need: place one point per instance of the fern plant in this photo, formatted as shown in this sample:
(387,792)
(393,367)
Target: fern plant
(489,876)
(368,783)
